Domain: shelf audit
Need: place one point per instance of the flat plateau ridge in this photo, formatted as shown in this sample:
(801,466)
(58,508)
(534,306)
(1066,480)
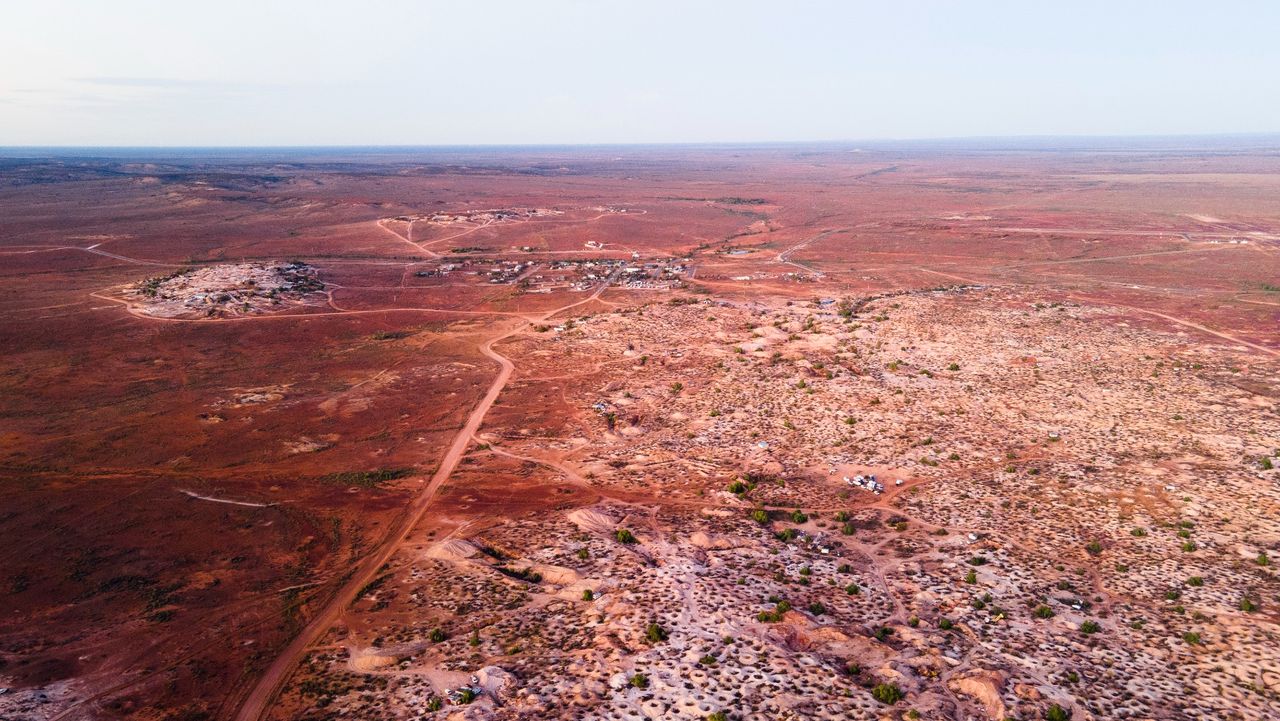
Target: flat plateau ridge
(765,433)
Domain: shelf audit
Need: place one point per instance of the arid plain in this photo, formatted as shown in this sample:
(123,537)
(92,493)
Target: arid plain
(790,432)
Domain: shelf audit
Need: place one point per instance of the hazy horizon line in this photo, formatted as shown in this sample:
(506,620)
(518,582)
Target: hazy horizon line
(1039,137)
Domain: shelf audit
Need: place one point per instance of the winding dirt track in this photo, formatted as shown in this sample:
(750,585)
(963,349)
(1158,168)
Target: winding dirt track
(273,680)
(785,256)
(1171,318)
(1201,328)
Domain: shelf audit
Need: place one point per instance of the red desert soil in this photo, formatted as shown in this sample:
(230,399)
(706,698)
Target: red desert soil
(256,411)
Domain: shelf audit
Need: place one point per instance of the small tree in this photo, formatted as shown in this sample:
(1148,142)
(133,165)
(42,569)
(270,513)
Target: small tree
(887,693)
(1057,713)
(654,633)
(624,536)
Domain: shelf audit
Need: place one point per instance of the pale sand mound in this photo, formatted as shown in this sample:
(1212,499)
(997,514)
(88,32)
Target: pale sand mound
(591,520)
(573,592)
(705,541)
(452,550)
(829,639)
(1204,218)
(985,687)
(372,662)
(496,681)
(558,575)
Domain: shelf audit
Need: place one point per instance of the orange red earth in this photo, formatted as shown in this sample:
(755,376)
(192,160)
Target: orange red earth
(126,595)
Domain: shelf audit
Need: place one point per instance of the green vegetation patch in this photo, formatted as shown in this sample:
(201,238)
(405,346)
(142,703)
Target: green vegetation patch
(368,479)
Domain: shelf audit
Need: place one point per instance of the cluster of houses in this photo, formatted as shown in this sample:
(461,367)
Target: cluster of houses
(464,695)
(508,272)
(584,274)
(487,216)
(869,483)
(572,273)
(569,273)
(441,271)
(658,274)
(590,269)
(817,542)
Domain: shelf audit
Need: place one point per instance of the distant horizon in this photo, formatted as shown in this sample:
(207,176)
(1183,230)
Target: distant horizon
(1023,142)
(409,73)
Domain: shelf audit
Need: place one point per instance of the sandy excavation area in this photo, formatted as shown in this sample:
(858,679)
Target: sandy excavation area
(227,290)
(1084,523)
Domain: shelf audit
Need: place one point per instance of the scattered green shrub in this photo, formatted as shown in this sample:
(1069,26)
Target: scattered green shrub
(887,693)
(654,633)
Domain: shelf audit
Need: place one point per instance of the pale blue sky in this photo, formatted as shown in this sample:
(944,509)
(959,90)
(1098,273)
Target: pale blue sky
(132,72)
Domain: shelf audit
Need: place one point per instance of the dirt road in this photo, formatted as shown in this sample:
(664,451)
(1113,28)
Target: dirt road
(783,257)
(273,680)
